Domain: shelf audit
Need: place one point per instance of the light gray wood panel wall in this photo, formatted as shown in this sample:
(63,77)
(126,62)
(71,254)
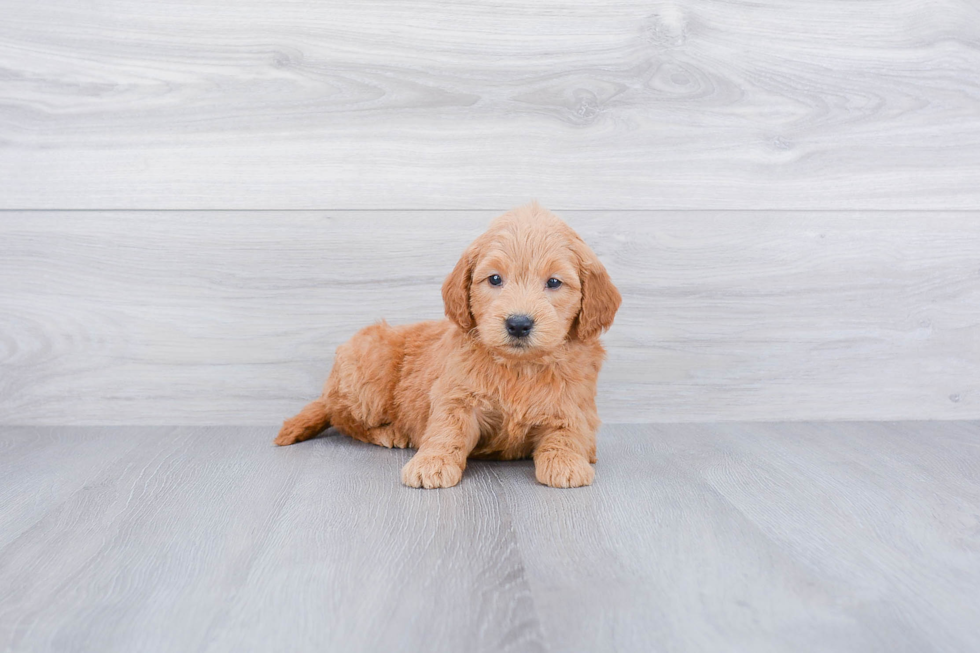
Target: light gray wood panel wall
(704,104)
(232,317)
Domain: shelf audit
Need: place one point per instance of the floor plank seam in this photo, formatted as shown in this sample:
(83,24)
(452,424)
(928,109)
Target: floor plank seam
(507,524)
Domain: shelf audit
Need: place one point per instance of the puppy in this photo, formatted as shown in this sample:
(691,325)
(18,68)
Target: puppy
(511,374)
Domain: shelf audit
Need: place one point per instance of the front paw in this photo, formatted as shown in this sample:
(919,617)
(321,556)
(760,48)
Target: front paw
(431,471)
(563,469)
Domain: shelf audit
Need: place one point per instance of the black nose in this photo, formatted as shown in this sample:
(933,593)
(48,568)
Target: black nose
(519,326)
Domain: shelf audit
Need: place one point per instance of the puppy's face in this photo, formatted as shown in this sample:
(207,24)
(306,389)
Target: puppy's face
(525,292)
(528,285)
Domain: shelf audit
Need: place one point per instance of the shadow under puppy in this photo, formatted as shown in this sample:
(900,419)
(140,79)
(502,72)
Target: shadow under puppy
(512,373)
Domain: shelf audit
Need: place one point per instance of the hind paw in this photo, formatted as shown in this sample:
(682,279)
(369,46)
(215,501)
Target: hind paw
(389,436)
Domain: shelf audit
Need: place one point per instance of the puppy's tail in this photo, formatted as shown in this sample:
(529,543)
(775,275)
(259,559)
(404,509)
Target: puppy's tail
(312,420)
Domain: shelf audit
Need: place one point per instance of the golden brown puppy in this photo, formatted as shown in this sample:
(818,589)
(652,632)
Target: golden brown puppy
(512,372)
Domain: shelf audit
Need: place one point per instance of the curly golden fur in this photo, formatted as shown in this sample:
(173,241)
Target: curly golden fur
(472,386)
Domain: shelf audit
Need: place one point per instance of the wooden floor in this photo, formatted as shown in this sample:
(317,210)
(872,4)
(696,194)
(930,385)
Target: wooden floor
(725,537)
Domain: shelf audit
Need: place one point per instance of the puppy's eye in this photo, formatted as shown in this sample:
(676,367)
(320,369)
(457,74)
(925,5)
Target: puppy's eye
(495,280)
(554,283)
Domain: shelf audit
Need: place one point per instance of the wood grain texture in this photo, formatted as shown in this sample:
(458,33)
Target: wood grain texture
(765,537)
(762,537)
(385,105)
(214,540)
(212,317)
(42,467)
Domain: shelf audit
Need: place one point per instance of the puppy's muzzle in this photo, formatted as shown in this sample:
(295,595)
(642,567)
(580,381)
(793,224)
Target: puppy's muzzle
(519,326)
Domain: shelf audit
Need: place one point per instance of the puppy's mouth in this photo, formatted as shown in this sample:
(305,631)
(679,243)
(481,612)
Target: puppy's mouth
(519,346)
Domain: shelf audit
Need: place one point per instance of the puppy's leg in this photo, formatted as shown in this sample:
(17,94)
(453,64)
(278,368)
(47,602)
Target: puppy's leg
(562,455)
(450,436)
(361,388)
(313,419)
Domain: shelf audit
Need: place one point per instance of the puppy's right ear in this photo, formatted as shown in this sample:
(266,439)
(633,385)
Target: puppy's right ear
(456,291)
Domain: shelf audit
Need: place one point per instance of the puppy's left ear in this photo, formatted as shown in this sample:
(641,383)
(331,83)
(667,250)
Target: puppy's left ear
(456,291)
(600,298)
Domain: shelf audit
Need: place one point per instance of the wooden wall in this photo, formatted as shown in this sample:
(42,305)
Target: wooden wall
(200,200)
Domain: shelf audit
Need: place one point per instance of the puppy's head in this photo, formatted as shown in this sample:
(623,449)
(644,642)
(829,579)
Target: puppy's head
(529,284)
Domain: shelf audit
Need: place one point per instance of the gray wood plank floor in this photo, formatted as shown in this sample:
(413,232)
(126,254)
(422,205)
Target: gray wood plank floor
(740,536)
(233,317)
(603,104)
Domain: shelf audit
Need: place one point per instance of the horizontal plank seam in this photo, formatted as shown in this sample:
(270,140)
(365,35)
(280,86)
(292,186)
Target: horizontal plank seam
(555,208)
